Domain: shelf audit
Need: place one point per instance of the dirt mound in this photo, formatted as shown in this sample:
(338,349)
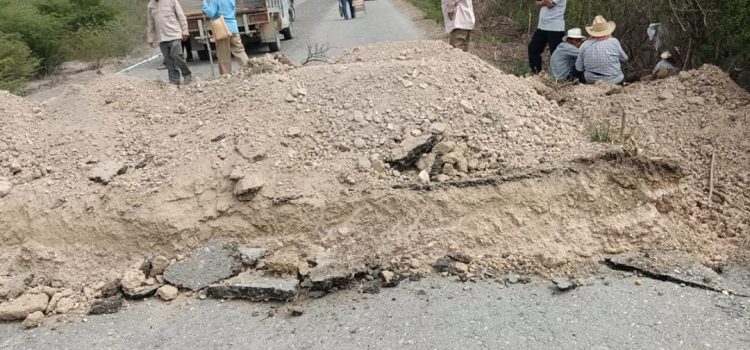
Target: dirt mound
(500,172)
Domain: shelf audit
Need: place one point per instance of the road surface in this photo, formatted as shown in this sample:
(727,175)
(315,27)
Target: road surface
(612,313)
(318,22)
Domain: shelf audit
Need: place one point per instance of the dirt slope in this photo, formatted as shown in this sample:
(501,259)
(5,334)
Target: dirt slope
(523,187)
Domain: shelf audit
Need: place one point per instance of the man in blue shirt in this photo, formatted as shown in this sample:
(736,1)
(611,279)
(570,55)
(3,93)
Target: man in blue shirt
(233,45)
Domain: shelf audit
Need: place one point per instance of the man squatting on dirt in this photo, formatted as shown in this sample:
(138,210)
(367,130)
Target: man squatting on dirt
(458,16)
(167,25)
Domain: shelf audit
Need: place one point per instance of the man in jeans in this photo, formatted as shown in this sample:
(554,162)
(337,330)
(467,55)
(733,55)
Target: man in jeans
(550,31)
(167,25)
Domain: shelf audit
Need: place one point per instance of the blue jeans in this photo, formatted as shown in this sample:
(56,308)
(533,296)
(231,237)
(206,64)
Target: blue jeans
(345,6)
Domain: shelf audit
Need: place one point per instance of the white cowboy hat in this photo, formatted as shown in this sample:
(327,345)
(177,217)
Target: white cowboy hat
(601,27)
(574,33)
(665,55)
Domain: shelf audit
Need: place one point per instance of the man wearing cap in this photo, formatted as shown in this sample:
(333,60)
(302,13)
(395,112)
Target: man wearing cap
(458,16)
(550,31)
(599,58)
(562,64)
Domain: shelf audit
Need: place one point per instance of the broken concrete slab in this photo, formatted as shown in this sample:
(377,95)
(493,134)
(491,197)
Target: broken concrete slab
(246,189)
(250,256)
(107,171)
(328,275)
(214,262)
(104,306)
(251,287)
(23,306)
(410,150)
(677,268)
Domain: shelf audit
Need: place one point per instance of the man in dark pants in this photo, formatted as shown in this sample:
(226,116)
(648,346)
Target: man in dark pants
(188,47)
(550,31)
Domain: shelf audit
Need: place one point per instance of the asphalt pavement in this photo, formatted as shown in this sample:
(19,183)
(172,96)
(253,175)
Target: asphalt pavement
(317,22)
(435,313)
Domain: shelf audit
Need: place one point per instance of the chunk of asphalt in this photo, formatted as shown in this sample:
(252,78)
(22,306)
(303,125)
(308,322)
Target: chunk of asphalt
(563,284)
(214,262)
(327,276)
(142,292)
(255,288)
(411,149)
(676,268)
(104,306)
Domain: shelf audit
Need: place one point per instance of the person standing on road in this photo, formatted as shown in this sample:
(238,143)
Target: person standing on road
(231,46)
(458,16)
(600,56)
(550,31)
(346,9)
(167,25)
(562,64)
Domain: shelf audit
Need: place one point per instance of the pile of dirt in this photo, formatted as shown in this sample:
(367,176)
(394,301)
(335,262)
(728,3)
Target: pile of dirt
(398,154)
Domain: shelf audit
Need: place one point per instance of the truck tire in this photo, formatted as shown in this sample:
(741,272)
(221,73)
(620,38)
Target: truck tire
(203,55)
(274,46)
(287,32)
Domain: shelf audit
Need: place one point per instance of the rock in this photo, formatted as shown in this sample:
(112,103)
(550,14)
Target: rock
(426,162)
(299,91)
(236,174)
(378,165)
(512,278)
(110,286)
(461,267)
(461,257)
(443,178)
(407,84)
(467,107)
(296,310)
(444,264)
(33,320)
(12,287)
(104,306)
(104,173)
(437,128)
(411,149)
(5,187)
(289,98)
(254,288)
(158,264)
(167,292)
(250,256)
(666,95)
(65,305)
(424,177)
(246,189)
(23,306)
(371,287)
(144,292)
(132,280)
(360,143)
(387,276)
(216,261)
(445,147)
(563,284)
(363,164)
(294,132)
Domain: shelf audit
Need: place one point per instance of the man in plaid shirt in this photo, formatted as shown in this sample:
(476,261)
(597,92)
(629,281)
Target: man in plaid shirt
(599,58)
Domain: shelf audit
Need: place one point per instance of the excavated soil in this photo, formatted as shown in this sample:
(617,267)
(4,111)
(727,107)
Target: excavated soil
(528,192)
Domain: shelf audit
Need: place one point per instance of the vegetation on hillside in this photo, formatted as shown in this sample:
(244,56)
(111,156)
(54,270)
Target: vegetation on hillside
(36,36)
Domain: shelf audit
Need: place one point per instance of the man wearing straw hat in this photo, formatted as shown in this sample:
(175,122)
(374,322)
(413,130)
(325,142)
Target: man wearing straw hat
(550,31)
(562,64)
(600,56)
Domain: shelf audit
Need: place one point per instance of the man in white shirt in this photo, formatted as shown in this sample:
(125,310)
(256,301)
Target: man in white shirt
(459,21)
(550,31)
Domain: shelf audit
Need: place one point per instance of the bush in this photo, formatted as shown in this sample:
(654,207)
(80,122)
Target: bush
(77,14)
(16,63)
(44,35)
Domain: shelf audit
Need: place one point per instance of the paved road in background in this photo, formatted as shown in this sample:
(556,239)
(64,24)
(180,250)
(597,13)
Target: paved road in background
(318,22)
(429,314)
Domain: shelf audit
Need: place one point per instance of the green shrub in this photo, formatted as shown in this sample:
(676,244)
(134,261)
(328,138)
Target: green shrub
(432,9)
(44,35)
(16,63)
(77,14)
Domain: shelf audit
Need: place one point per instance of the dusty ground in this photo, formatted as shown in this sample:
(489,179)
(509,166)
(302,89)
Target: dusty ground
(523,188)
